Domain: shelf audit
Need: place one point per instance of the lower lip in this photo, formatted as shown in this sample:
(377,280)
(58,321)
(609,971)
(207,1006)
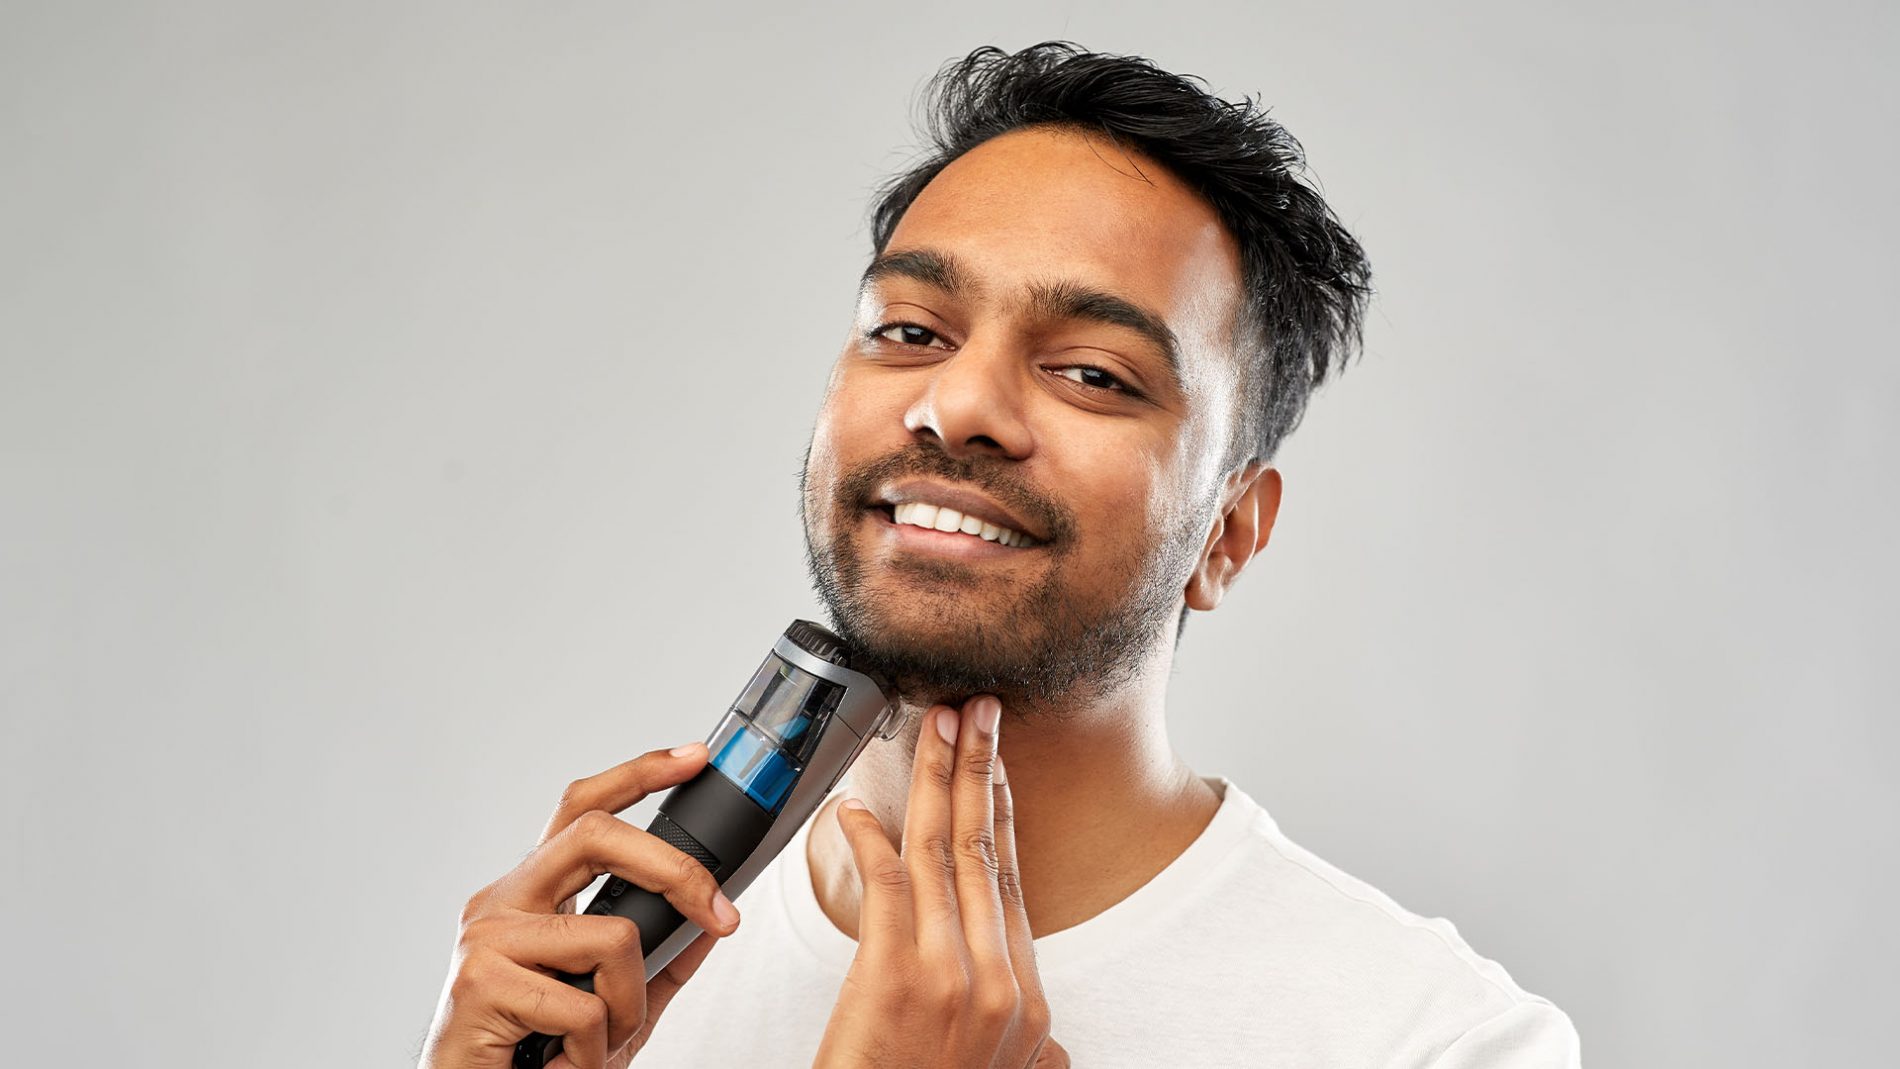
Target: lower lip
(911,538)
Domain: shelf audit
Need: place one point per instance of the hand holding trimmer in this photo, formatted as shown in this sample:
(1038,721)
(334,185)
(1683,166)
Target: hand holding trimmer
(775,755)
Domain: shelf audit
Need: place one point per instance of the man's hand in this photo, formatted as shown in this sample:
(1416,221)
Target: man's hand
(519,930)
(945,973)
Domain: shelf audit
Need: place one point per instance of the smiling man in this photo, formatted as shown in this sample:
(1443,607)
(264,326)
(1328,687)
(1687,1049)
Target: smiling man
(1092,315)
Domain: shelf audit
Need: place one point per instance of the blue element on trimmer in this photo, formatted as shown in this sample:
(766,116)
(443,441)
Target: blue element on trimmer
(758,767)
(766,739)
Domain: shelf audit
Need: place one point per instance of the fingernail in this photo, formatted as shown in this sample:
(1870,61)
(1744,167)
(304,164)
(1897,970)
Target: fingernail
(997,775)
(947,725)
(852,803)
(988,712)
(722,908)
(685,751)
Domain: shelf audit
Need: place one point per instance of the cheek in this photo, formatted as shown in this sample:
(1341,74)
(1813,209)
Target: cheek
(1149,504)
(821,461)
(1119,487)
(820,479)
(863,410)
(856,423)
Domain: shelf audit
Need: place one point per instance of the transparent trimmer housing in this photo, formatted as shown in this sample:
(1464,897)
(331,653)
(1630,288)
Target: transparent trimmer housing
(767,738)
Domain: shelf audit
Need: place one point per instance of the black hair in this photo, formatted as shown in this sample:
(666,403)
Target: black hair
(1307,281)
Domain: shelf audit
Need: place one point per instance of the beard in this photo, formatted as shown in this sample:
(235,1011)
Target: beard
(1075,632)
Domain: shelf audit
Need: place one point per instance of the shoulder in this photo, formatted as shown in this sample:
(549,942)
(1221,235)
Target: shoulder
(1357,950)
(1531,1034)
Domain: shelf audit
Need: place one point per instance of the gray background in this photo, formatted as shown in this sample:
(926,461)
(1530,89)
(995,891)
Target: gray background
(401,406)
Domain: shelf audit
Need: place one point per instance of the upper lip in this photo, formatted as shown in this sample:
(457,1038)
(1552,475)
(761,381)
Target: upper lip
(964,500)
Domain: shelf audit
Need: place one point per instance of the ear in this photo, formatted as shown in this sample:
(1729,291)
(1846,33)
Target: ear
(1249,503)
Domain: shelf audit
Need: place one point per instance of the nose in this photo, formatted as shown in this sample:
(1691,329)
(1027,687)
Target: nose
(972,404)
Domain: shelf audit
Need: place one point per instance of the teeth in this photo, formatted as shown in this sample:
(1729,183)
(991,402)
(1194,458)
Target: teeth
(938,518)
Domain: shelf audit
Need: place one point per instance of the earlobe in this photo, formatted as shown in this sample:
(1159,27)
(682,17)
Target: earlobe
(1241,530)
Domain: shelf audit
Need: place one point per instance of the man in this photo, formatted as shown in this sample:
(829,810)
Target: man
(1092,316)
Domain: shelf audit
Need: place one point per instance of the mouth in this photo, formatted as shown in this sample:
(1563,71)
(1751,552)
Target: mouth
(930,516)
(912,538)
(943,519)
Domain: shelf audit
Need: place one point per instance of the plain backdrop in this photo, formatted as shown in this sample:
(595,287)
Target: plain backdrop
(401,408)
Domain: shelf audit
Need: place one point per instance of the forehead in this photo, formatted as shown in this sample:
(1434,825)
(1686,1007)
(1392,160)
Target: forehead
(1051,205)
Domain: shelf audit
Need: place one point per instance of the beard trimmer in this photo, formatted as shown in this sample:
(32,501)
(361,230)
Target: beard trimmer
(776,754)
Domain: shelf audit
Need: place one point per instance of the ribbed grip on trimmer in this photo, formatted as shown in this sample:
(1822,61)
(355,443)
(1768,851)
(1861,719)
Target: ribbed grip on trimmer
(675,836)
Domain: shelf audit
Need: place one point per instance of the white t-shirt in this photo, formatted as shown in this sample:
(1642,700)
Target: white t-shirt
(1245,951)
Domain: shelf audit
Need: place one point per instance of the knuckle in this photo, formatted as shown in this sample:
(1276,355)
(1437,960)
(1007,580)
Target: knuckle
(689,874)
(463,987)
(938,853)
(476,907)
(937,849)
(946,991)
(594,824)
(979,847)
(977,767)
(1034,1010)
(624,939)
(890,875)
(472,976)
(1009,885)
(1002,810)
(995,1002)
(575,796)
(942,772)
(476,931)
(554,925)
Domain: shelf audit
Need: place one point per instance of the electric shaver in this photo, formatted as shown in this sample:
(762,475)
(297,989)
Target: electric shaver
(776,754)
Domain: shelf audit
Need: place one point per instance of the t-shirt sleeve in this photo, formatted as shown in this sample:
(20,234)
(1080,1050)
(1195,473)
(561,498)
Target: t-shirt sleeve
(1532,1034)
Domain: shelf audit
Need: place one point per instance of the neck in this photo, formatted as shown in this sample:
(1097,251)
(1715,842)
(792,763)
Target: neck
(1102,803)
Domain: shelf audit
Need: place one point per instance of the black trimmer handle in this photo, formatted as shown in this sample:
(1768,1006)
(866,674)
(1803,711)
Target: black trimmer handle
(732,822)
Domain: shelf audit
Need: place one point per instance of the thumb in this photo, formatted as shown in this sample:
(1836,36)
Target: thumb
(1051,1056)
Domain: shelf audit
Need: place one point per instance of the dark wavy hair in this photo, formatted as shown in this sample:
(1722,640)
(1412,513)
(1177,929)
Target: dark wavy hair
(1307,280)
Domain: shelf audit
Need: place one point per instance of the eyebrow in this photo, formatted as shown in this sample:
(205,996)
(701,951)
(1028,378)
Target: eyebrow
(928,266)
(1054,300)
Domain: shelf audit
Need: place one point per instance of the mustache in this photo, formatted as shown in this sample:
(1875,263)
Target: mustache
(993,477)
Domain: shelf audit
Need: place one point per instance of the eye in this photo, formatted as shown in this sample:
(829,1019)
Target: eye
(903,334)
(1093,377)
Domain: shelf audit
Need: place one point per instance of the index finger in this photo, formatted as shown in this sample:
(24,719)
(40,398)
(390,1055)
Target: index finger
(625,784)
(929,839)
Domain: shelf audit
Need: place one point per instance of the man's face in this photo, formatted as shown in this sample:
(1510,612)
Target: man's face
(1041,359)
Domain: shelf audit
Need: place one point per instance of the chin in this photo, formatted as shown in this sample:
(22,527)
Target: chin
(923,629)
(945,656)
